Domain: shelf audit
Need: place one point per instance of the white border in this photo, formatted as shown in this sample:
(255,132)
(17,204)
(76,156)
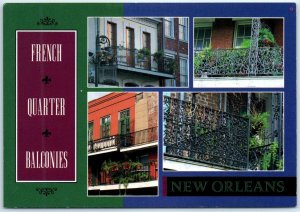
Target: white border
(147,88)
(235,78)
(75,104)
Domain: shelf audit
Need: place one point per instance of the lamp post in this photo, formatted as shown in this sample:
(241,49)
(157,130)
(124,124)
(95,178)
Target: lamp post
(102,51)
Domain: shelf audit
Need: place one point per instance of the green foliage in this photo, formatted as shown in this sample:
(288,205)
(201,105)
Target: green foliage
(266,161)
(279,164)
(256,141)
(144,52)
(246,44)
(266,38)
(158,56)
(259,122)
(270,159)
(200,57)
(106,166)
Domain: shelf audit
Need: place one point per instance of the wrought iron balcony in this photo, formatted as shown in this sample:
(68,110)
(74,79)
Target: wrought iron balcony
(237,62)
(125,172)
(198,133)
(127,140)
(118,55)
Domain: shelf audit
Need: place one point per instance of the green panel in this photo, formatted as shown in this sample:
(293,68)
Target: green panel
(69,17)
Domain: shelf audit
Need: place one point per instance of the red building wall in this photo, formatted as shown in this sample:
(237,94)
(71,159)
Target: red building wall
(178,46)
(222,34)
(111,104)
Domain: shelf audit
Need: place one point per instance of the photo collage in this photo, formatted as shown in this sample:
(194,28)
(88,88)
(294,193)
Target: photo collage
(180,95)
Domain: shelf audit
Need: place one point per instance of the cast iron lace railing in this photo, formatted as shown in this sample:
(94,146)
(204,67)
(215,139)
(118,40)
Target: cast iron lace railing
(118,55)
(198,133)
(126,140)
(147,172)
(235,62)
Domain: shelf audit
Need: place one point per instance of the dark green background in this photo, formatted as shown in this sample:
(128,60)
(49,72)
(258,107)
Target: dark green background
(69,17)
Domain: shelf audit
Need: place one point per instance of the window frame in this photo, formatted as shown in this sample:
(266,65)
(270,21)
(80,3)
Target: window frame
(127,121)
(104,126)
(237,24)
(171,29)
(206,26)
(90,137)
(185,29)
(186,71)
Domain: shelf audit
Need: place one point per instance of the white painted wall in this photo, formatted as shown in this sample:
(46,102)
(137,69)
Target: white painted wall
(239,82)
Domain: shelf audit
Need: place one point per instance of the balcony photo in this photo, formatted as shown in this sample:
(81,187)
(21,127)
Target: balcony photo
(223,132)
(238,52)
(122,142)
(137,52)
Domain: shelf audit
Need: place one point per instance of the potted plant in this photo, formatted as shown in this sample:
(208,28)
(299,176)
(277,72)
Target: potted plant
(114,166)
(143,54)
(125,181)
(126,165)
(136,165)
(106,167)
(266,38)
(158,56)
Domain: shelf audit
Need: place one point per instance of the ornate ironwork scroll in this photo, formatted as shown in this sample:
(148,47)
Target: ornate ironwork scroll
(198,133)
(235,62)
(254,61)
(253,54)
(46,191)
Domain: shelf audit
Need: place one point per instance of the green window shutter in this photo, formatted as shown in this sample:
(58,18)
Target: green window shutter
(108,128)
(101,132)
(127,125)
(120,125)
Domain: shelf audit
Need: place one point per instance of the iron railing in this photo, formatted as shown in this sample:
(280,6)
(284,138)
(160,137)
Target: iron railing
(118,55)
(126,140)
(202,134)
(236,62)
(120,175)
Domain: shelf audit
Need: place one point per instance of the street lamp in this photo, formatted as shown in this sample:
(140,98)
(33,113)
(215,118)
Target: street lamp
(103,51)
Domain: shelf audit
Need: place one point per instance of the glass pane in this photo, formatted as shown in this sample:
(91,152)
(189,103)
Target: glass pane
(200,33)
(240,31)
(208,33)
(206,43)
(199,45)
(239,41)
(167,28)
(248,30)
(181,33)
(181,21)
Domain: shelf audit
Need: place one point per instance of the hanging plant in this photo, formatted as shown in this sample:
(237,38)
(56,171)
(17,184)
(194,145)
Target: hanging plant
(126,165)
(266,38)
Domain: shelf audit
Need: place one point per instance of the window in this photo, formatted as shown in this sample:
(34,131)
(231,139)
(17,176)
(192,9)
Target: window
(202,38)
(90,130)
(146,45)
(183,29)
(183,72)
(242,33)
(130,47)
(112,33)
(124,122)
(170,82)
(146,40)
(169,27)
(144,159)
(105,127)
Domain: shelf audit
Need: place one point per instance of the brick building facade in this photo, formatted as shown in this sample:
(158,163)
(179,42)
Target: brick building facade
(239,47)
(217,131)
(173,35)
(122,148)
